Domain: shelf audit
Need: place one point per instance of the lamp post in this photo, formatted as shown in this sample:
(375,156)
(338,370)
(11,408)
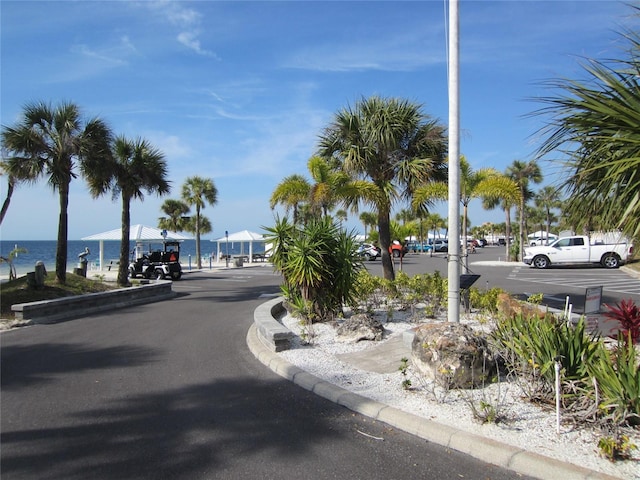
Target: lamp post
(226,248)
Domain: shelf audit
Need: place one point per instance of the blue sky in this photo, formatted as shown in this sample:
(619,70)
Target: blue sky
(239,91)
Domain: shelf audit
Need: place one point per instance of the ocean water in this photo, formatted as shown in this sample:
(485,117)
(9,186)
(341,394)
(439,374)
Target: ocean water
(45,251)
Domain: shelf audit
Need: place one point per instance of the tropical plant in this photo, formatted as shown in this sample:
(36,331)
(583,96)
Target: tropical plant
(368,219)
(50,141)
(134,167)
(540,342)
(593,126)
(291,192)
(319,265)
(388,147)
(484,183)
(617,376)
(198,192)
(627,314)
(548,199)
(522,173)
(176,215)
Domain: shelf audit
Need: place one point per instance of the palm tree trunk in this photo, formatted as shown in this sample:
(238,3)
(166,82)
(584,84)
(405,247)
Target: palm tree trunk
(61,247)
(199,261)
(507,212)
(5,205)
(123,267)
(384,232)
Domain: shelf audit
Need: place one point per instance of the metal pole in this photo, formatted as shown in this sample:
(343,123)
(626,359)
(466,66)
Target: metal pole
(226,248)
(453,314)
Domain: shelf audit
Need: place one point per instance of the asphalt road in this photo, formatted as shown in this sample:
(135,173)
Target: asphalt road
(170,391)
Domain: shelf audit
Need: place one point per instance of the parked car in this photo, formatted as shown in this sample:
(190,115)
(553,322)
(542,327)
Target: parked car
(537,241)
(482,242)
(579,249)
(419,247)
(440,245)
(368,251)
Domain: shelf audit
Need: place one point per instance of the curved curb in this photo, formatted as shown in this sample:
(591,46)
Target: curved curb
(486,450)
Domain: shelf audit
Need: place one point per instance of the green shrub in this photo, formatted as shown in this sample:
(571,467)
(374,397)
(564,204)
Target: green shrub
(617,376)
(539,342)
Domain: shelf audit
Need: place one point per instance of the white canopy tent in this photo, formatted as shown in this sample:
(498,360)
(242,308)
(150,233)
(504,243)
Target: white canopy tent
(137,233)
(243,237)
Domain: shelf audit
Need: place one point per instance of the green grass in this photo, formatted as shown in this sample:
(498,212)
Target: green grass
(17,291)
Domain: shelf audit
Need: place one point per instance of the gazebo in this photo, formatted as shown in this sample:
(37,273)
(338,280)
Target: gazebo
(137,233)
(243,237)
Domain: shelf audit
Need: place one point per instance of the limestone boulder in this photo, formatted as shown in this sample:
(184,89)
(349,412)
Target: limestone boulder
(360,327)
(510,307)
(452,354)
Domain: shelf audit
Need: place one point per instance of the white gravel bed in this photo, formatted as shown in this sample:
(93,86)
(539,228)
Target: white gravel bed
(525,425)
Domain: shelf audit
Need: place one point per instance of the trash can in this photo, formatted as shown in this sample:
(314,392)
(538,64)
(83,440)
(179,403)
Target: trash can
(81,268)
(239,261)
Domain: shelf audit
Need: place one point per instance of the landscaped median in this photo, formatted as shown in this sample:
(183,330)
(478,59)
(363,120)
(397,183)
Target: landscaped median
(55,310)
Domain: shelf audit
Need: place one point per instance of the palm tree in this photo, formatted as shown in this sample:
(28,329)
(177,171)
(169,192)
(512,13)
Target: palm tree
(290,193)
(135,166)
(326,191)
(595,124)
(342,216)
(198,191)
(50,141)
(176,215)
(522,173)
(486,183)
(387,146)
(547,199)
(368,219)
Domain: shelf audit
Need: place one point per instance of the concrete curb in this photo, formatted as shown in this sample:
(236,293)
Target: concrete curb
(486,450)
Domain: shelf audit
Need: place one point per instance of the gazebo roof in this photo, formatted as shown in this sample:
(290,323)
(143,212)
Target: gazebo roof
(243,236)
(137,233)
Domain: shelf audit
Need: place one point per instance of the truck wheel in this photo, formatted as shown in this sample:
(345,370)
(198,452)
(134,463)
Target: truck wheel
(132,273)
(176,275)
(367,256)
(540,261)
(159,274)
(610,260)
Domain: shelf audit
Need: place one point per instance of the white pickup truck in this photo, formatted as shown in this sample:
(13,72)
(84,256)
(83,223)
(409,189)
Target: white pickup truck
(579,249)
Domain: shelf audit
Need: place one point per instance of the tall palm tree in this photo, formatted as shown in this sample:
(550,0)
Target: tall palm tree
(522,173)
(135,166)
(595,125)
(548,199)
(176,215)
(387,146)
(328,183)
(197,192)
(486,183)
(368,219)
(51,141)
(291,192)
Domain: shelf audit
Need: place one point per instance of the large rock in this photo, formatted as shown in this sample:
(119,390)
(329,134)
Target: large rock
(360,327)
(452,354)
(511,307)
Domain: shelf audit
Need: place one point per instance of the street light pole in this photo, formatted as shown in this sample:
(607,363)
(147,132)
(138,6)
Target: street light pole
(453,314)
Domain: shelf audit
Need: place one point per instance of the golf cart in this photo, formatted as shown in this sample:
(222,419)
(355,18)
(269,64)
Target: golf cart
(159,261)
